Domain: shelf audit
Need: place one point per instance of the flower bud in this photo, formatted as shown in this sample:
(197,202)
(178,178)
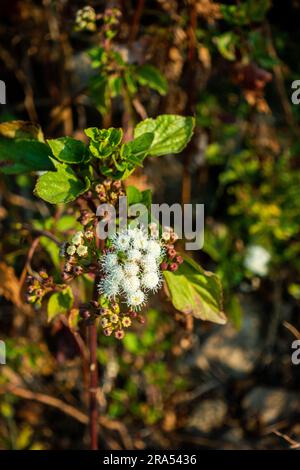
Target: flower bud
(77,270)
(173,267)
(164,266)
(172,253)
(85,314)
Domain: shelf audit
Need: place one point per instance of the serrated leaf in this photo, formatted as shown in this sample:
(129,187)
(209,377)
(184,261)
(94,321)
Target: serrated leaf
(150,76)
(59,303)
(23,156)
(138,147)
(67,149)
(60,186)
(196,292)
(171,133)
(103,141)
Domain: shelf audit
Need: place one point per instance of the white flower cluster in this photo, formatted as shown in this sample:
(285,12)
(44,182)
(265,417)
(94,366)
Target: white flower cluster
(132,268)
(77,245)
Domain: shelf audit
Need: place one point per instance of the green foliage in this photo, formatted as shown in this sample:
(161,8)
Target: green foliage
(226,44)
(196,292)
(246,12)
(103,142)
(171,133)
(150,76)
(67,149)
(60,302)
(61,186)
(117,78)
(19,156)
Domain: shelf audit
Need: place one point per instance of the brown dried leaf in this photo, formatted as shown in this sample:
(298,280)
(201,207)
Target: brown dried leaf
(9,284)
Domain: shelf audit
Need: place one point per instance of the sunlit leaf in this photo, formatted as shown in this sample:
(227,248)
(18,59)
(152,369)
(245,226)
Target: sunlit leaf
(196,292)
(171,133)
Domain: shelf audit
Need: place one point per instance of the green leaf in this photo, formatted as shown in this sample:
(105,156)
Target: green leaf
(196,292)
(61,186)
(130,82)
(98,86)
(23,156)
(21,130)
(171,133)
(115,85)
(67,149)
(52,249)
(134,196)
(103,141)
(60,302)
(151,77)
(136,150)
(226,43)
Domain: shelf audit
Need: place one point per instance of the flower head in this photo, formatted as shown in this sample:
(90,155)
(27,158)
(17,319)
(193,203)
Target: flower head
(131,267)
(119,334)
(71,250)
(131,285)
(154,248)
(82,250)
(151,280)
(136,299)
(77,239)
(126,322)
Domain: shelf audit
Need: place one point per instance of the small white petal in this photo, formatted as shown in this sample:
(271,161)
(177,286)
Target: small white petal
(131,269)
(136,299)
(130,285)
(134,255)
(150,280)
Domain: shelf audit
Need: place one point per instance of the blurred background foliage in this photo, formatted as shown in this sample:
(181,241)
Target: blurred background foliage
(173,382)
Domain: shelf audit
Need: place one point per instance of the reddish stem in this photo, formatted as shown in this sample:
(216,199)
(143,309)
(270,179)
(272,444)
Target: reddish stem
(93,423)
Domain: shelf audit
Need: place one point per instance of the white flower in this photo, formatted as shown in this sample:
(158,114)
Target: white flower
(134,255)
(257,259)
(166,236)
(108,288)
(131,269)
(82,250)
(136,299)
(121,241)
(150,280)
(149,262)
(130,285)
(77,238)
(108,261)
(117,274)
(167,229)
(139,239)
(154,233)
(89,235)
(154,248)
(71,250)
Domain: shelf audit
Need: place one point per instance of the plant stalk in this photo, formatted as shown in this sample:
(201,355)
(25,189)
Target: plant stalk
(93,408)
